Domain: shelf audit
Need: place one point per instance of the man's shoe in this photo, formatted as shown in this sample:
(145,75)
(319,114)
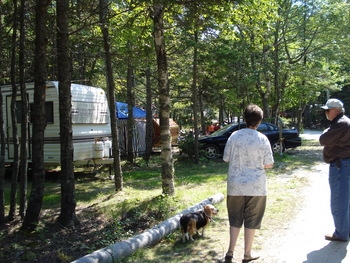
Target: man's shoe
(334,238)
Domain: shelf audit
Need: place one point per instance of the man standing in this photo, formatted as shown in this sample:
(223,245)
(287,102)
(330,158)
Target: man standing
(336,152)
(248,153)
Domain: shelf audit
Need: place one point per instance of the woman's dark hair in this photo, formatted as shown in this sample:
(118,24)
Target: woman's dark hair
(253,115)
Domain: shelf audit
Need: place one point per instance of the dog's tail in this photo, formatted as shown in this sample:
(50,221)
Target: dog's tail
(183,226)
(183,229)
(192,227)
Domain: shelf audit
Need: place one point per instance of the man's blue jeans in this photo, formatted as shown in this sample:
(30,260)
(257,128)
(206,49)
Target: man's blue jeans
(339,182)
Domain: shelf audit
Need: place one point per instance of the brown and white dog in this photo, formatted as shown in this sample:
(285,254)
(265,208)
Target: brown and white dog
(190,223)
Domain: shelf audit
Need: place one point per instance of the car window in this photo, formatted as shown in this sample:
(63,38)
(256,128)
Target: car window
(273,128)
(222,130)
(231,128)
(263,127)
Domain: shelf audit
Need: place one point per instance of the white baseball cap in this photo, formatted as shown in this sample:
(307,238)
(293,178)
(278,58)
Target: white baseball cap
(333,104)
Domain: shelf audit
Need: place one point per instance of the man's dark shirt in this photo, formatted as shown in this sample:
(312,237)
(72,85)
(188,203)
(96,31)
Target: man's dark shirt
(336,139)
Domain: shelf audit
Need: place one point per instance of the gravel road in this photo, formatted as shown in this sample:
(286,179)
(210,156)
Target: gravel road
(302,240)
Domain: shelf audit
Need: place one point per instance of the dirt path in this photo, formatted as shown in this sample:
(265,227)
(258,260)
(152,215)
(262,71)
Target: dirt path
(302,240)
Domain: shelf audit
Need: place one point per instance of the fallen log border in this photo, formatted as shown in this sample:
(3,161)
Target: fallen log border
(123,249)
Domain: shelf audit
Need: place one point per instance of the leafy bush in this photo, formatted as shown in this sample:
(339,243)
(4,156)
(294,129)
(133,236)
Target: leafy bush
(186,143)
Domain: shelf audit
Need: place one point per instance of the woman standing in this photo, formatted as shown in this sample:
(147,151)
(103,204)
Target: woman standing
(248,153)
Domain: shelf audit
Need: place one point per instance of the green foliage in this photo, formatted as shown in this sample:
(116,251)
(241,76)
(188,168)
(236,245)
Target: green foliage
(186,143)
(239,59)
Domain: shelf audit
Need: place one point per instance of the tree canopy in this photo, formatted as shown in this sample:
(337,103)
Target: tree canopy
(280,54)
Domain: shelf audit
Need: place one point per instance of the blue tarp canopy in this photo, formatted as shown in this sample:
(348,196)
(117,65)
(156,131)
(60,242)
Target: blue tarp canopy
(122,111)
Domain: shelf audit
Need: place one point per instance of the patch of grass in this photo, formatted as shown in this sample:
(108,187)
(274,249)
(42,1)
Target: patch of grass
(51,200)
(309,154)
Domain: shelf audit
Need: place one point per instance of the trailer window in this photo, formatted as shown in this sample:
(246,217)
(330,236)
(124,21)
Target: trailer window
(89,112)
(48,111)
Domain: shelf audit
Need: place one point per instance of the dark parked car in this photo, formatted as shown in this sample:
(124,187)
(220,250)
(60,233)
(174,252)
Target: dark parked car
(214,144)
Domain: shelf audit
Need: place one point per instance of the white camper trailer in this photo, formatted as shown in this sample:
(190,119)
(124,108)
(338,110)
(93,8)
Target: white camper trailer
(90,123)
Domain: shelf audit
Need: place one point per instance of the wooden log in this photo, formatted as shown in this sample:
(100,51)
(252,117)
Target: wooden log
(123,249)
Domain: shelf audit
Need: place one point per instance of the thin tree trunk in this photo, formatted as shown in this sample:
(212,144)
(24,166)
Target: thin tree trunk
(39,122)
(2,145)
(2,163)
(130,101)
(25,116)
(68,203)
(149,118)
(164,100)
(195,99)
(118,178)
(15,164)
(276,76)
(201,110)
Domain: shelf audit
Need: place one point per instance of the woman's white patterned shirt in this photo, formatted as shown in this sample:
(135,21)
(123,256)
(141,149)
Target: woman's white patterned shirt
(247,151)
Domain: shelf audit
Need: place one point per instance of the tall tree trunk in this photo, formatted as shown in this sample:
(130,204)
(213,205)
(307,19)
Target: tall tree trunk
(130,101)
(39,121)
(149,118)
(2,163)
(263,92)
(302,104)
(15,164)
(67,215)
(221,111)
(276,75)
(2,144)
(201,111)
(118,178)
(164,100)
(195,98)
(25,116)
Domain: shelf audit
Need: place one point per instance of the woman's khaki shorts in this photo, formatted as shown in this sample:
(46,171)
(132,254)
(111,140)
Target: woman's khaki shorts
(246,209)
